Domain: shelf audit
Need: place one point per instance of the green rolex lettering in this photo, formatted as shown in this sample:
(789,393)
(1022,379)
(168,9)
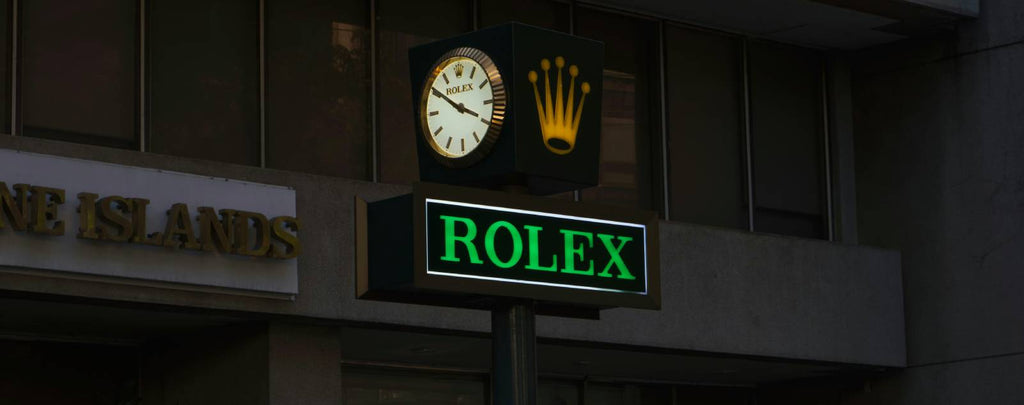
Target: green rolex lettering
(614,256)
(517,244)
(450,238)
(533,242)
(574,251)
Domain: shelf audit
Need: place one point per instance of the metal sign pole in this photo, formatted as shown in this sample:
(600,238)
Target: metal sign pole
(514,353)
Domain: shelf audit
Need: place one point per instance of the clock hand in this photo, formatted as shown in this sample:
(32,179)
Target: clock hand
(467,110)
(450,101)
(460,106)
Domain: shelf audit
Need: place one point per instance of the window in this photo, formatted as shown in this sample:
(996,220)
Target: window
(708,89)
(554,392)
(78,71)
(39,372)
(318,87)
(704,102)
(369,387)
(628,394)
(787,138)
(5,70)
(204,79)
(541,13)
(629,105)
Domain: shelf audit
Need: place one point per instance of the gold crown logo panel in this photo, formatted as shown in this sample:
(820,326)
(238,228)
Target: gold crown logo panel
(558,108)
(558,122)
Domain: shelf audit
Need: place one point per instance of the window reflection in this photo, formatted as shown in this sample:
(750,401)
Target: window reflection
(786,140)
(706,149)
(628,105)
(5,71)
(548,14)
(617,172)
(558,393)
(204,79)
(372,387)
(78,63)
(318,86)
(628,394)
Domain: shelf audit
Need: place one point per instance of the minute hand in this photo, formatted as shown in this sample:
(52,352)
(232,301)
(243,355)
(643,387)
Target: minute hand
(450,101)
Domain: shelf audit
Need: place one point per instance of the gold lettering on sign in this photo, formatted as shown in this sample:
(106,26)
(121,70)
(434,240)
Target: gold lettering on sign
(281,227)
(123,219)
(115,215)
(179,228)
(243,243)
(45,201)
(32,209)
(214,234)
(139,221)
(17,211)
(87,216)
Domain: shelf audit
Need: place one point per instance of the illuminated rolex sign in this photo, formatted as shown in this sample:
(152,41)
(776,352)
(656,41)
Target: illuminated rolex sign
(532,247)
(452,246)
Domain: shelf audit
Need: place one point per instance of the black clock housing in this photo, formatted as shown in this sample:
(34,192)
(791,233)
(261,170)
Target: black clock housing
(521,156)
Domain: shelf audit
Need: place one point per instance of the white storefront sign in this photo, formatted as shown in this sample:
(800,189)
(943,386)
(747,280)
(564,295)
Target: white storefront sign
(70,255)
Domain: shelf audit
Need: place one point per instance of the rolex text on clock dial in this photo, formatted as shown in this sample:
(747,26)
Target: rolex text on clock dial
(462,107)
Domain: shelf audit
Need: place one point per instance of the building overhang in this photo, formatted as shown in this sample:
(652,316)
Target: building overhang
(826,24)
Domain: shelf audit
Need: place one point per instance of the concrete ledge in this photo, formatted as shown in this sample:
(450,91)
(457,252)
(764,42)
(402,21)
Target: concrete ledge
(736,292)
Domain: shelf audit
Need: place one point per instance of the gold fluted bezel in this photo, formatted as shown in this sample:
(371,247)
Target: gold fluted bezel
(498,108)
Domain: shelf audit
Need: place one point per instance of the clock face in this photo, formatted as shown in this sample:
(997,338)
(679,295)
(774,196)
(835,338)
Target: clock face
(462,107)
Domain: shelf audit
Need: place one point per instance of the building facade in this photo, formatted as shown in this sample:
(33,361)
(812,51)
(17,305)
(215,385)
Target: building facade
(839,185)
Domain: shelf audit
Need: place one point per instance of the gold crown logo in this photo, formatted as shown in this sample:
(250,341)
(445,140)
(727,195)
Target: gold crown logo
(558,122)
(458,70)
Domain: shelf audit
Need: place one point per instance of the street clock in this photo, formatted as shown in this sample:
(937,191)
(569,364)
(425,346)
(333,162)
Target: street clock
(462,107)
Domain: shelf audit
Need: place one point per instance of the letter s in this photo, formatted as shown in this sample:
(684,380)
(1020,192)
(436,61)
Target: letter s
(280,227)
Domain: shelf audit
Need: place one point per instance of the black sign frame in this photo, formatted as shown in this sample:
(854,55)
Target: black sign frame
(400,276)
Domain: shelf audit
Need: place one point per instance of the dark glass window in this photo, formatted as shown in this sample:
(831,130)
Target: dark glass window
(78,62)
(787,139)
(704,101)
(558,392)
(401,25)
(702,395)
(318,86)
(5,70)
(541,13)
(204,79)
(371,387)
(628,106)
(608,394)
(39,372)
